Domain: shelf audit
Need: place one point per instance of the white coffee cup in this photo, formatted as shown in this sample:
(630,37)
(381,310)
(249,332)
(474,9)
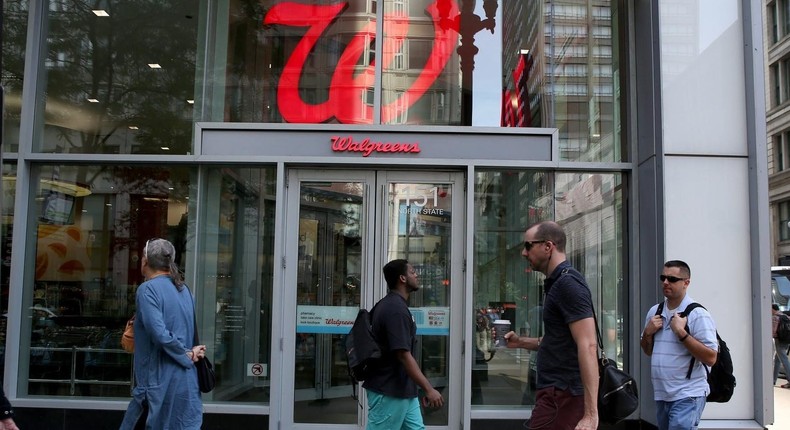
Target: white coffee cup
(501,327)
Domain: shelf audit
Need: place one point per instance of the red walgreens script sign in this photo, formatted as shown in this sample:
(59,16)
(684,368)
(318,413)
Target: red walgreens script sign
(366,147)
(348,84)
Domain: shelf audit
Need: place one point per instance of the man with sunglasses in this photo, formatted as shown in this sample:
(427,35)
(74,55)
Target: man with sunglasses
(679,394)
(567,367)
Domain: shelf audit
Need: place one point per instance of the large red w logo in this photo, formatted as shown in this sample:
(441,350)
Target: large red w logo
(348,84)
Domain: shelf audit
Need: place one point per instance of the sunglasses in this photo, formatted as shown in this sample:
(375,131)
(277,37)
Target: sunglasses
(671,279)
(529,243)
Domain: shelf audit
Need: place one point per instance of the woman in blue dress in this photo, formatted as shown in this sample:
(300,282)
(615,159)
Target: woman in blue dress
(166,394)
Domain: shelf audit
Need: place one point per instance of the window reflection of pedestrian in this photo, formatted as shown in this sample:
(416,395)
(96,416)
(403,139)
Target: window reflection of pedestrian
(781,347)
(306,251)
(6,414)
(166,393)
(484,352)
(535,321)
(610,334)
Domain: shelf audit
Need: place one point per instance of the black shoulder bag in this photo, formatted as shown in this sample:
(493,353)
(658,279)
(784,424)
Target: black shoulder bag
(205,371)
(617,394)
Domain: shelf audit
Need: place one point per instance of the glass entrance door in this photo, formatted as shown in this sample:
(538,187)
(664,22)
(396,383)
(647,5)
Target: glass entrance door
(342,227)
(328,280)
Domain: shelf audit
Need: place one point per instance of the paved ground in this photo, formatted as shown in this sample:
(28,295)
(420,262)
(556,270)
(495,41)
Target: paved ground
(781,407)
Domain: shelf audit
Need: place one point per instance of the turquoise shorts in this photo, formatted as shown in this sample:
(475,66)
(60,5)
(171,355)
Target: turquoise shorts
(392,413)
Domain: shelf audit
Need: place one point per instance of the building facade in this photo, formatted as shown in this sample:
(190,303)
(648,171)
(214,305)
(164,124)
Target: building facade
(777,28)
(291,148)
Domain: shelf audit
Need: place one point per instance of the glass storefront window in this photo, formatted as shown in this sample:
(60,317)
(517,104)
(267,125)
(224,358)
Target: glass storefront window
(88,228)
(14,28)
(589,207)
(440,64)
(119,78)
(236,270)
(9,194)
(307,62)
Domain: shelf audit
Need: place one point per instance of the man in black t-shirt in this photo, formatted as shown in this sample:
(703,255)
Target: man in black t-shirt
(567,366)
(392,390)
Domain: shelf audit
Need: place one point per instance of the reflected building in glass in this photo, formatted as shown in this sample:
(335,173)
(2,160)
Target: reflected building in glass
(561,67)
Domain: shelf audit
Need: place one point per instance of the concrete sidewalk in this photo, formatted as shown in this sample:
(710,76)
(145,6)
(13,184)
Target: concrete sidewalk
(781,407)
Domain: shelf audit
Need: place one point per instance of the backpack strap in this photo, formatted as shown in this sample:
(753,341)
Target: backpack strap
(660,309)
(690,308)
(685,313)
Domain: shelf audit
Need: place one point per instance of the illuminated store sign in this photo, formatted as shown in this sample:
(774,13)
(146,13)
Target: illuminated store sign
(350,81)
(367,147)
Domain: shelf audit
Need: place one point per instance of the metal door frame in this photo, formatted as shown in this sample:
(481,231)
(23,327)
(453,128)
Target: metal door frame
(454,398)
(374,256)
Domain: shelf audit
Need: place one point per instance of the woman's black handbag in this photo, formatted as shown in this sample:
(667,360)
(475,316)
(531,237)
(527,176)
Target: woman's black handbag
(205,373)
(617,393)
(205,370)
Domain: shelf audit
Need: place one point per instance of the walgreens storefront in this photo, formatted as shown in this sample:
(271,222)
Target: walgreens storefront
(289,149)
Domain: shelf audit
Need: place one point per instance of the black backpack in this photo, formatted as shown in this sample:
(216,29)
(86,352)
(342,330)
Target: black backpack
(783,329)
(720,376)
(362,350)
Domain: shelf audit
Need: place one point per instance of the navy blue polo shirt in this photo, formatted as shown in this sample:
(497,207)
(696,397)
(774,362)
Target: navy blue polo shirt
(567,299)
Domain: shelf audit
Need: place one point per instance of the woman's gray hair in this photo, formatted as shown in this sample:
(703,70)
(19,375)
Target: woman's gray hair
(161,255)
